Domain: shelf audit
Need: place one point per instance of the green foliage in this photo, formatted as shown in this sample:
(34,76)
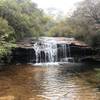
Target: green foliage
(86,22)
(5,48)
(6,31)
(19,19)
(83,24)
(6,37)
(23,16)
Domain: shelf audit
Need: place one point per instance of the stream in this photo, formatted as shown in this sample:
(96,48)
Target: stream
(48,82)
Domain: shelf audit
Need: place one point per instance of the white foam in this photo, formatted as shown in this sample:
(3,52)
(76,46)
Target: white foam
(46,64)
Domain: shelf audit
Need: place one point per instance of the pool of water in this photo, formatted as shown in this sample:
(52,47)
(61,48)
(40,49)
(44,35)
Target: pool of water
(48,82)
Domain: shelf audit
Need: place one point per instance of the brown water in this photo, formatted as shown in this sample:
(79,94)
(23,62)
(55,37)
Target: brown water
(27,82)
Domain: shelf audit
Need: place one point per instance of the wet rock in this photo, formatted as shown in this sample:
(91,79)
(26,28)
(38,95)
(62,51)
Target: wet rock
(51,50)
(23,55)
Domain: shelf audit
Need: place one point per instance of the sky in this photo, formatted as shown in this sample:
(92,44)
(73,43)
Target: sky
(63,6)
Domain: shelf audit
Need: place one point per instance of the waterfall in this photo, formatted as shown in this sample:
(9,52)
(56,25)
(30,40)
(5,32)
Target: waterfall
(47,51)
(48,48)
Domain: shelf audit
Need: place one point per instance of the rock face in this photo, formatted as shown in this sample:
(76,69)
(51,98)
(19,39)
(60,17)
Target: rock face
(77,52)
(51,50)
(23,55)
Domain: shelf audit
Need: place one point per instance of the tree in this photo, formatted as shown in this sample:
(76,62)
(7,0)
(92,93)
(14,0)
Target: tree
(87,17)
(6,31)
(19,19)
(6,36)
(24,17)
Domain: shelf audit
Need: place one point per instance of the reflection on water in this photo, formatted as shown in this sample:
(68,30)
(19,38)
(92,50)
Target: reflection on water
(27,82)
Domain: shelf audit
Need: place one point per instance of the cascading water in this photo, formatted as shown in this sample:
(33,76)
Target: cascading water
(47,51)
